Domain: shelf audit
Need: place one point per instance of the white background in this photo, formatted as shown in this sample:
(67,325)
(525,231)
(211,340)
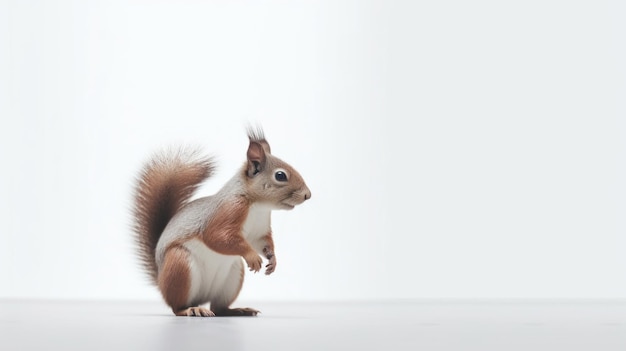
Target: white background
(454,149)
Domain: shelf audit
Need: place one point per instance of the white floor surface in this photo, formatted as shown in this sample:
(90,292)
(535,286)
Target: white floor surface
(407,325)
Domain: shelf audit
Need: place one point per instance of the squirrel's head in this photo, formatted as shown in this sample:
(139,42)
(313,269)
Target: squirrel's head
(269,179)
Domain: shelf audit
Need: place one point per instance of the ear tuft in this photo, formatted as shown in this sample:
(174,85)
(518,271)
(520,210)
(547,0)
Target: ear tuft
(256,134)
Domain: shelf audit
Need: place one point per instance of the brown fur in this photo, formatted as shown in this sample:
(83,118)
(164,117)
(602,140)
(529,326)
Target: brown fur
(223,232)
(164,186)
(268,251)
(174,279)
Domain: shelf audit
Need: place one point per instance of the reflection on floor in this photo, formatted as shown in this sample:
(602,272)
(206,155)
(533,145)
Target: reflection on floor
(400,325)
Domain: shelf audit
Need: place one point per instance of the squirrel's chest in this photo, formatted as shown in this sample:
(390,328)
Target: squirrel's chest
(258,221)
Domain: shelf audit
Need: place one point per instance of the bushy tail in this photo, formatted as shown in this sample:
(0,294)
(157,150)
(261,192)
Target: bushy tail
(163,187)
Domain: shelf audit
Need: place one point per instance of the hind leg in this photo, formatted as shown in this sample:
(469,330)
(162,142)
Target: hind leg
(174,281)
(220,304)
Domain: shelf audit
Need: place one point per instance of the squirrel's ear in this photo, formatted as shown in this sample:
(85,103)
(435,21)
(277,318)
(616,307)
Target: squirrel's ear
(256,158)
(266,147)
(256,134)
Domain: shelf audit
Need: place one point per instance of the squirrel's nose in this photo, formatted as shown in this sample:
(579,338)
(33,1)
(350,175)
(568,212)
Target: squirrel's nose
(307,195)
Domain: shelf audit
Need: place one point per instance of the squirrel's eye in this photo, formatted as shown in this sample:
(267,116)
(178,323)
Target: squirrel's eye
(280,176)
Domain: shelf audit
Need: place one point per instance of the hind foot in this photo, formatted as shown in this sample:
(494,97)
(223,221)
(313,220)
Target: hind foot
(236,312)
(196,312)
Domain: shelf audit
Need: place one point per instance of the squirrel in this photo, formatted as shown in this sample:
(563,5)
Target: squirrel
(192,250)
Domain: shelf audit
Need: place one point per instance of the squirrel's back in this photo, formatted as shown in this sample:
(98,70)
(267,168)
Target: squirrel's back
(164,186)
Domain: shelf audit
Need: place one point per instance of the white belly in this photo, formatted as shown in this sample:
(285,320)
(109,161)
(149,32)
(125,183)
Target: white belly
(213,276)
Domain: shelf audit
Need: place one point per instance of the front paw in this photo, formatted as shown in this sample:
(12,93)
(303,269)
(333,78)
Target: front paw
(254,262)
(271,266)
